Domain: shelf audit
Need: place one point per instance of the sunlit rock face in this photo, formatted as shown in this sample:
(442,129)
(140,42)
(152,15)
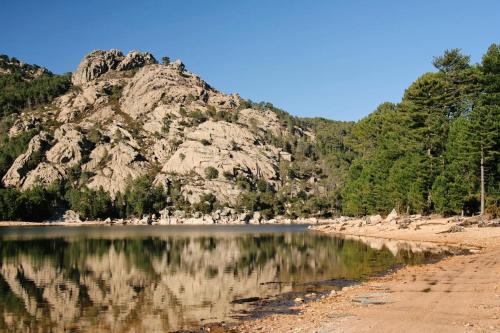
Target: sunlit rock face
(128,115)
(162,283)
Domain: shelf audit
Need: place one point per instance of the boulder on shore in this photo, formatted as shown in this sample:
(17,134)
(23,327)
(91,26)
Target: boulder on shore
(71,216)
(393,215)
(373,219)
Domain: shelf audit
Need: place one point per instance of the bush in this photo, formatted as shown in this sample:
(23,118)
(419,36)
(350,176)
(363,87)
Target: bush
(166,122)
(254,202)
(140,197)
(17,93)
(207,203)
(211,173)
(8,204)
(263,186)
(198,117)
(35,204)
(89,203)
(243,182)
(205,142)
(228,175)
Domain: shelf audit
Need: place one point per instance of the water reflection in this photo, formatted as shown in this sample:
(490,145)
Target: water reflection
(162,279)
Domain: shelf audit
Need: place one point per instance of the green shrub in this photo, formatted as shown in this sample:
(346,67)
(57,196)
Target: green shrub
(243,182)
(35,204)
(263,186)
(198,117)
(166,122)
(228,175)
(211,173)
(17,93)
(90,204)
(206,142)
(140,197)
(8,204)
(207,203)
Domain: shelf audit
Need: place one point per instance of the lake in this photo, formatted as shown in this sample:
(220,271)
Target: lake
(164,278)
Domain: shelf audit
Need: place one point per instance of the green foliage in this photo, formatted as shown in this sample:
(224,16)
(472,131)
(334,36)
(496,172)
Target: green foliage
(91,204)
(211,173)
(183,112)
(197,117)
(140,197)
(166,122)
(17,93)
(451,60)
(423,154)
(206,204)
(8,204)
(94,135)
(11,148)
(228,175)
(260,196)
(264,202)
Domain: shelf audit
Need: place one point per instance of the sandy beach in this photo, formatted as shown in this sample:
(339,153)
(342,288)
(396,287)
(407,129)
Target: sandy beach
(460,293)
(457,294)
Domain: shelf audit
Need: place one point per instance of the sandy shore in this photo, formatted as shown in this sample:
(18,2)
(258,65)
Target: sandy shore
(457,294)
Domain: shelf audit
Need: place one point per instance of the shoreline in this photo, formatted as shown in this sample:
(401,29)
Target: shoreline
(186,222)
(459,293)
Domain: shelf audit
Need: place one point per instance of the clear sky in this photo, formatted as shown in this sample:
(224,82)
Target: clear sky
(335,59)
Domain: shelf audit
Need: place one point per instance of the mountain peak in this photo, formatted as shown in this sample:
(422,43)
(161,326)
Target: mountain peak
(99,62)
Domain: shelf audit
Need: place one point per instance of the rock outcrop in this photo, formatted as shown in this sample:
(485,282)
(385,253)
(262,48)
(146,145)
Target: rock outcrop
(27,161)
(128,115)
(100,62)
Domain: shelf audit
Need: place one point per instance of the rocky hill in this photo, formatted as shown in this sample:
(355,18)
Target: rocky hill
(28,72)
(125,136)
(128,116)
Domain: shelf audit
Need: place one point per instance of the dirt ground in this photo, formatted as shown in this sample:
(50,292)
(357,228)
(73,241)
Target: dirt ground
(457,294)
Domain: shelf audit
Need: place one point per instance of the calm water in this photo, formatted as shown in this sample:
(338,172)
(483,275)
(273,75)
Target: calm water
(157,279)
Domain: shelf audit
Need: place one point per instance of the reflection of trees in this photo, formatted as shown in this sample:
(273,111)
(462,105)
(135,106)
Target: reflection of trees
(175,280)
(300,255)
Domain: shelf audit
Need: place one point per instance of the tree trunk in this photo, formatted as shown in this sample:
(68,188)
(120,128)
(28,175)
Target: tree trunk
(482,180)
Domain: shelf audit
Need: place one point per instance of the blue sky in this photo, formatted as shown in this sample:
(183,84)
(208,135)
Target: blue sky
(335,59)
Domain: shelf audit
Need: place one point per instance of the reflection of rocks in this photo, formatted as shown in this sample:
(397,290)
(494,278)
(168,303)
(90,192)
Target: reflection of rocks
(146,284)
(173,287)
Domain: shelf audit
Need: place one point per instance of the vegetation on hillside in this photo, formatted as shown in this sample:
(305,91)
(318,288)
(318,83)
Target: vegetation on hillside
(18,92)
(435,151)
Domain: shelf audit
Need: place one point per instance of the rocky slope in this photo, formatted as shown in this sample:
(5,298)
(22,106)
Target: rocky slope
(12,65)
(128,116)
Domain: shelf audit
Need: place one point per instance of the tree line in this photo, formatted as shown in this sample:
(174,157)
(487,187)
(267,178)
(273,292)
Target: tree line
(437,150)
